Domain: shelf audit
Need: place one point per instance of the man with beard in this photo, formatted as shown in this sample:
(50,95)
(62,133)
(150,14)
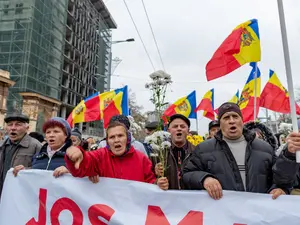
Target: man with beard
(236,160)
(179,152)
(19,147)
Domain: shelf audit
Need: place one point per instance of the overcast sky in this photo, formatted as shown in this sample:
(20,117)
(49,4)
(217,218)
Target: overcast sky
(188,32)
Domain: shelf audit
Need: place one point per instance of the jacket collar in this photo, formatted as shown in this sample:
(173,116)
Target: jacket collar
(23,143)
(249,136)
(187,147)
(63,149)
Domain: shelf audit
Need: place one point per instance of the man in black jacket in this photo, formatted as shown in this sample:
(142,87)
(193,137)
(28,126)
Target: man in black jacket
(236,160)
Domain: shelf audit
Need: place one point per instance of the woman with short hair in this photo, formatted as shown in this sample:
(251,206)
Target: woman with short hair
(118,159)
(51,157)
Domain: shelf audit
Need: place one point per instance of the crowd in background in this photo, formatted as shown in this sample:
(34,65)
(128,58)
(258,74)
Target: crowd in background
(235,156)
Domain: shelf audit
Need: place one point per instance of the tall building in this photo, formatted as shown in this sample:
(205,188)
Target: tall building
(57,51)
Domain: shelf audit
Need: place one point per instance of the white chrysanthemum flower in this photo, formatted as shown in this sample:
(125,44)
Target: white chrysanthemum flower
(154,139)
(155,147)
(166,144)
(148,140)
(154,75)
(153,154)
(168,81)
(134,127)
(160,82)
(167,77)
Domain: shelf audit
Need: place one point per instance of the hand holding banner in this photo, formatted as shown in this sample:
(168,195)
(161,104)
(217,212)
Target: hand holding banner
(38,198)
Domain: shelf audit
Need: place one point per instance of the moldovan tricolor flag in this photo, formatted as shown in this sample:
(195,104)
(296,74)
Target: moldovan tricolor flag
(246,101)
(240,47)
(275,97)
(92,108)
(119,105)
(207,105)
(185,106)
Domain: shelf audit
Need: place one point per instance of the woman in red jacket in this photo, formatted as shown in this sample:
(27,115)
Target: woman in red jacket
(117,160)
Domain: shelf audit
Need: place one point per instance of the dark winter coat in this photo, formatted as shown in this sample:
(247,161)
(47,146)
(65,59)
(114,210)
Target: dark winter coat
(267,133)
(43,162)
(172,167)
(213,158)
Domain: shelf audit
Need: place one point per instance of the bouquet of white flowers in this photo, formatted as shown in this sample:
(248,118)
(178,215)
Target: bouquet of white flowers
(160,143)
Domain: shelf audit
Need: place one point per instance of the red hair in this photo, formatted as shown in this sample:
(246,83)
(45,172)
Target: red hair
(52,124)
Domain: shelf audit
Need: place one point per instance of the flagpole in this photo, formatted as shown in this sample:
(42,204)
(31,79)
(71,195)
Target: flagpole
(277,130)
(197,122)
(288,70)
(255,91)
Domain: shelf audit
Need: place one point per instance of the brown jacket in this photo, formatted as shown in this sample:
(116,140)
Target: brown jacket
(172,167)
(27,147)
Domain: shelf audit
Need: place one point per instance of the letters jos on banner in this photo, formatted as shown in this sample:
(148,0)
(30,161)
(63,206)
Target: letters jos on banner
(35,197)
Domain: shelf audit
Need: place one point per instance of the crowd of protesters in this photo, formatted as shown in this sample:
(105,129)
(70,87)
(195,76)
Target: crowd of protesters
(235,156)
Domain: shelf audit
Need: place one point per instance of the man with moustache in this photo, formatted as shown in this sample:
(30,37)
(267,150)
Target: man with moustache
(236,160)
(19,147)
(179,152)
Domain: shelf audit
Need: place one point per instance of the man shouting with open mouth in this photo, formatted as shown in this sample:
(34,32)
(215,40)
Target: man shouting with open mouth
(19,147)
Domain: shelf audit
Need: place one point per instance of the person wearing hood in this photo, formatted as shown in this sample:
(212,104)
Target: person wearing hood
(118,159)
(51,157)
(124,120)
(263,132)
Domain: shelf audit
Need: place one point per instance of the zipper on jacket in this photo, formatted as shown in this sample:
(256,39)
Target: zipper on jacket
(176,164)
(247,155)
(49,161)
(233,165)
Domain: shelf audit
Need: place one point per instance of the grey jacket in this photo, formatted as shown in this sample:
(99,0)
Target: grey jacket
(264,172)
(27,147)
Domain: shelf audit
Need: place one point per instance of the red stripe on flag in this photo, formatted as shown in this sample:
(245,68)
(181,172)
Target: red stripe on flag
(70,120)
(209,115)
(92,109)
(248,111)
(223,62)
(168,113)
(110,111)
(205,105)
(275,99)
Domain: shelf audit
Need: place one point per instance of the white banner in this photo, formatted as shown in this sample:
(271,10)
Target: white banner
(37,198)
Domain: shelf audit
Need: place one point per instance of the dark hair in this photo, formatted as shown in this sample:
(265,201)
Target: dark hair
(194,132)
(37,136)
(85,145)
(121,119)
